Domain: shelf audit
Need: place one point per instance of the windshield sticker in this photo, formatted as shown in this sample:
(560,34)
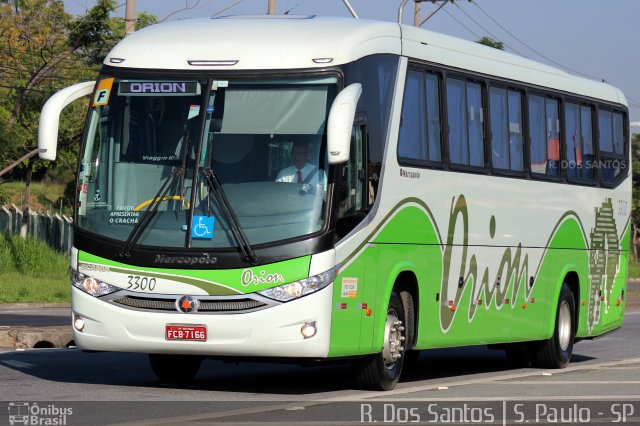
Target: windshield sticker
(194,111)
(123,217)
(202,227)
(83,188)
(103,92)
(219,83)
(249,278)
(152,88)
(349,288)
(159,158)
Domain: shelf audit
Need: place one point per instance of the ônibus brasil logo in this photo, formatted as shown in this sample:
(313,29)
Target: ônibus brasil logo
(31,413)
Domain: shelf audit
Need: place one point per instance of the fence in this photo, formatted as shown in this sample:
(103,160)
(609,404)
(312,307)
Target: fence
(55,230)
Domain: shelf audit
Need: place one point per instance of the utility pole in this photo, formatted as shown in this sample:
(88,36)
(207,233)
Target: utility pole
(416,14)
(417,22)
(272,7)
(130,18)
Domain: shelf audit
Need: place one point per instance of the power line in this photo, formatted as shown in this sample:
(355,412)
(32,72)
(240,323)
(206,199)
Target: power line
(291,8)
(484,29)
(629,98)
(460,23)
(227,8)
(531,48)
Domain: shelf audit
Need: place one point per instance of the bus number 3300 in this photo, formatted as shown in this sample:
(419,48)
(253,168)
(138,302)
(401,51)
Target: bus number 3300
(136,282)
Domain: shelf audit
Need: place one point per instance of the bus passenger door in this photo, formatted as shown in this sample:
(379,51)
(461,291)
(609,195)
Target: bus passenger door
(353,196)
(356,284)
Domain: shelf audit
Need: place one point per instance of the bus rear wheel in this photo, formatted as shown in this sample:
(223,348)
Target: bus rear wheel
(175,368)
(556,352)
(381,371)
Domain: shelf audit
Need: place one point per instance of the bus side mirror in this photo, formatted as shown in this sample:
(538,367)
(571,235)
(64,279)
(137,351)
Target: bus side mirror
(340,125)
(50,117)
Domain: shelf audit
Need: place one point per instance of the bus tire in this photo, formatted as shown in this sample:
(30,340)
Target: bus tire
(175,368)
(381,371)
(556,351)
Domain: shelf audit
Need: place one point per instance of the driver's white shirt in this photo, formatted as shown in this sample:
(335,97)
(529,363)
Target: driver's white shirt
(290,174)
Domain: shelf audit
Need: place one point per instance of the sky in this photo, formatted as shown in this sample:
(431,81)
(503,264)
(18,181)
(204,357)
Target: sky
(593,38)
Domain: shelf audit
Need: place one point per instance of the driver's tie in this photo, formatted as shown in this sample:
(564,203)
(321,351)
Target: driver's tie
(299,176)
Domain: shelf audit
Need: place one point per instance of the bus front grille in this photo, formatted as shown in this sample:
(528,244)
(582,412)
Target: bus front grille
(206,304)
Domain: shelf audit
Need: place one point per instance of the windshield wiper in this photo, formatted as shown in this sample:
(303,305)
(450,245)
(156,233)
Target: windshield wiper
(152,208)
(240,237)
(148,214)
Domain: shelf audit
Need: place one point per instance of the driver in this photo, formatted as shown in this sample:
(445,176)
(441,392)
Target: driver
(302,171)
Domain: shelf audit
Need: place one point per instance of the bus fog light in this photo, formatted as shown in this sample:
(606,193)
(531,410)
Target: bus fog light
(309,329)
(78,323)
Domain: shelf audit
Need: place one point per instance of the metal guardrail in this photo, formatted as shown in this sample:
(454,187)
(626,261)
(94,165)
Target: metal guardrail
(55,230)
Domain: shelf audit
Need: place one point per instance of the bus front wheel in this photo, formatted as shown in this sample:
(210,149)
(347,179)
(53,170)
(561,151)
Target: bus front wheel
(174,368)
(381,371)
(556,352)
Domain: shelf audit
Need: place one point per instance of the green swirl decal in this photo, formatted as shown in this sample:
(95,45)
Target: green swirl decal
(604,261)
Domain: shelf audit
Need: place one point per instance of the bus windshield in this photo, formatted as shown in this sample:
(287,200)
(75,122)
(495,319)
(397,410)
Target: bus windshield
(156,145)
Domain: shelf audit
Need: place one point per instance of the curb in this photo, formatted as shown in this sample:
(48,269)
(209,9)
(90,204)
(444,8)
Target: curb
(22,306)
(24,337)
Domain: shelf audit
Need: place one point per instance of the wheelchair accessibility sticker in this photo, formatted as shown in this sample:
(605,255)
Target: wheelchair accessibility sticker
(202,227)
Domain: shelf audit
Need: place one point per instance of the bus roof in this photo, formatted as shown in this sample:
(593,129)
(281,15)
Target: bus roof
(256,42)
(290,42)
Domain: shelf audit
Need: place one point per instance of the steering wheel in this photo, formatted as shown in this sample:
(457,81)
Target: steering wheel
(165,198)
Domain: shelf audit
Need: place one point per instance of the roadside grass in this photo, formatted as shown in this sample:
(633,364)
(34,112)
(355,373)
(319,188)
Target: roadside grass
(31,271)
(44,196)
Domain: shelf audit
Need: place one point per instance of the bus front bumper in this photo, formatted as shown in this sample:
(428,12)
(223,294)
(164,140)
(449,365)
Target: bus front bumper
(271,332)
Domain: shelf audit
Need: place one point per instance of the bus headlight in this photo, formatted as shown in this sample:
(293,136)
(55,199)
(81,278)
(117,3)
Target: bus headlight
(296,289)
(91,285)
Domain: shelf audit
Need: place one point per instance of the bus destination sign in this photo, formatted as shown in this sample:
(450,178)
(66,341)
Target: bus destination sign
(154,88)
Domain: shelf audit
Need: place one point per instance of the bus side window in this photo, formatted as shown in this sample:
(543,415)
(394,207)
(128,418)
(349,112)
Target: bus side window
(544,133)
(612,155)
(420,138)
(411,141)
(466,122)
(354,191)
(579,141)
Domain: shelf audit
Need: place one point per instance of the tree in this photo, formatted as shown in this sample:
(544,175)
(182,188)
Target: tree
(42,50)
(488,41)
(39,42)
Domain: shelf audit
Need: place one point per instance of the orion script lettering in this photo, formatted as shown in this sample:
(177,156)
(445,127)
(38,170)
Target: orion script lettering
(249,278)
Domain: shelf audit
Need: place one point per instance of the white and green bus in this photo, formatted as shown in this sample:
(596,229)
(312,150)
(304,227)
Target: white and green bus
(455,195)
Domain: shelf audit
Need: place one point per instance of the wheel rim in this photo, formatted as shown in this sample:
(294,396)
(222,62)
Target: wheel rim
(393,338)
(564,325)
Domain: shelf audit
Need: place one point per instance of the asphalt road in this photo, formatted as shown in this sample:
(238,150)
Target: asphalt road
(35,317)
(603,381)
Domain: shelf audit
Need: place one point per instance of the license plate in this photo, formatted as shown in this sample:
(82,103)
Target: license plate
(185,332)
